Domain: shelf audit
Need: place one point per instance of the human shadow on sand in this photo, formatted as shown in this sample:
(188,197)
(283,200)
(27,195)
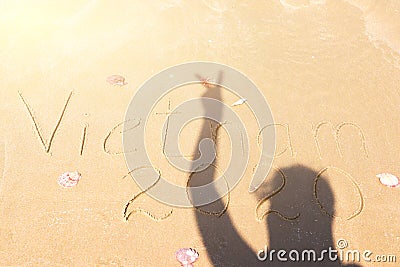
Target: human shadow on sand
(312,230)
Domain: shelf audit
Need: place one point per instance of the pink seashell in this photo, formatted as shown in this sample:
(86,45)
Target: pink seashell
(186,256)
(69,179)
(388,179)
(116,80)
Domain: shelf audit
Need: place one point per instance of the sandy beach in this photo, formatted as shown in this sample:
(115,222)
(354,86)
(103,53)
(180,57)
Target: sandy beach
(329,71)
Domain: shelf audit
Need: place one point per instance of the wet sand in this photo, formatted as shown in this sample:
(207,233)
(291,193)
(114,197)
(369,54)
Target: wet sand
(329,70)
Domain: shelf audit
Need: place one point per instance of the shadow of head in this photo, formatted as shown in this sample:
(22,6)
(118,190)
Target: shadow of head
(298,207)
(294,220)
(288,205)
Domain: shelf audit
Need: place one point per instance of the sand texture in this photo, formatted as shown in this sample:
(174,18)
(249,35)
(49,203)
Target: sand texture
(329,70)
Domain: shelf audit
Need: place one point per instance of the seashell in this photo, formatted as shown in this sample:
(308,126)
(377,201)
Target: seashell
(239,102)
(388,179)
(186,256)
(116,80)
(69,179)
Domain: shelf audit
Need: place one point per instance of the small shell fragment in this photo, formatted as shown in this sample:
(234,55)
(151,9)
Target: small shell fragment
(116,80)
(239,102)
(69,179)
(186,256)
(388,179)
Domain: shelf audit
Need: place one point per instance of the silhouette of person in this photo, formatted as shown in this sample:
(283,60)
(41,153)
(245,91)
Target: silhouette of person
(311,230)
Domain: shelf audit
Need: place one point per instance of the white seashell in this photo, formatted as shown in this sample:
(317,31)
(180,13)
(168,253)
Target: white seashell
(186,256)
(116,80)
(69,179)
(239,102)
(388,179)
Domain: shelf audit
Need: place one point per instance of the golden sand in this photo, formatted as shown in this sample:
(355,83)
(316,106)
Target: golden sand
(329,70)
